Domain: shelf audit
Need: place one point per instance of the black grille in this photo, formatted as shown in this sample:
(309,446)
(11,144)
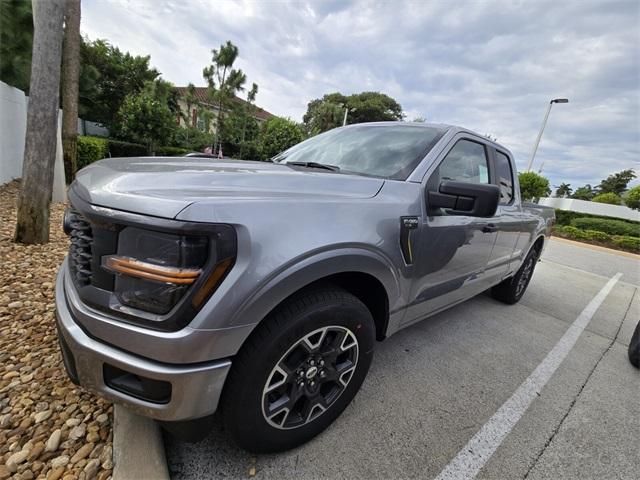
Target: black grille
(80,251)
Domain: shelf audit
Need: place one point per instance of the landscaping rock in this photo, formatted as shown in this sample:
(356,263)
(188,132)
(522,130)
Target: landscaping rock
(36,396)
(54,441)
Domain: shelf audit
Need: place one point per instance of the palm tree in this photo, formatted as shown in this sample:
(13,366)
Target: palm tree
(563,190)
(70,77)
(32,225)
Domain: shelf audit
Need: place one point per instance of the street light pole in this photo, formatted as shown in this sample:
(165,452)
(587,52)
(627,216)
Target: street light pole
(544,124)
(344,120)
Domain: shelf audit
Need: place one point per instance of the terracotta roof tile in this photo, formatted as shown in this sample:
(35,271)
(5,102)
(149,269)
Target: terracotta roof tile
(203,97)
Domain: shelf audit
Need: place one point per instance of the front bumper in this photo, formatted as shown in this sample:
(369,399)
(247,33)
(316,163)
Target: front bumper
(194,389)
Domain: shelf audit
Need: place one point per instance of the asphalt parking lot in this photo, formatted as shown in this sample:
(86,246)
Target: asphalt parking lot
(438,385)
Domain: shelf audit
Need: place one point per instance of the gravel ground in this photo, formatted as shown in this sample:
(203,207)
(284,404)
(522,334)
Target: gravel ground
(49,428)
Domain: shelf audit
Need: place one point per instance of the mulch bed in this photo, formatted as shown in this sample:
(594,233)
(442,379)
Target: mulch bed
(49,427)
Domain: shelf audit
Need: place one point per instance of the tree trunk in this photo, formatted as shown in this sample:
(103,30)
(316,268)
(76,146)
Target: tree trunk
(70,77)
(42,122)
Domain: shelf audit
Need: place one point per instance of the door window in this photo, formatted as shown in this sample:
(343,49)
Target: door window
(466,162)
(505,178)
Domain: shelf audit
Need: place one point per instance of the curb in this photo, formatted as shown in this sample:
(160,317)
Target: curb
(138,449)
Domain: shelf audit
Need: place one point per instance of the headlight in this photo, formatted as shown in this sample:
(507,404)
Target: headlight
(154,270)
(66,221)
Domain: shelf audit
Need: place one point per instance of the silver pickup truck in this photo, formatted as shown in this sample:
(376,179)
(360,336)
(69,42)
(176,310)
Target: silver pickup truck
(259,289)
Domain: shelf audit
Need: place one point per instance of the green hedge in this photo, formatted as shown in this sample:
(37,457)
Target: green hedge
(626,242)
(623,242)
(171,151)
(118,148)
(610,226)
(597,236)
(568,231)
(91,149)
(564,217)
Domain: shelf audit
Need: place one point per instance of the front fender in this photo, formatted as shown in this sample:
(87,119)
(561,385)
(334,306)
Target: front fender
(316,266)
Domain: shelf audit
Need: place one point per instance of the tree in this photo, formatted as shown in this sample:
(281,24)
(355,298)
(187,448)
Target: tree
(584,193)
(239,134)
(609,197)
(632,199)
(70,78)
(107,77)
(32,225)
(277,135)
(616,183)
(145,117)
(240,129)
(564,190)
(328,112)
(223,81)
(419,119)
(533,185)
(16,41)
(323,114)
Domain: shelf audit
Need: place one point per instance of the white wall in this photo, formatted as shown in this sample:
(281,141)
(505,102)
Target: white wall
(13,127)
(593,208)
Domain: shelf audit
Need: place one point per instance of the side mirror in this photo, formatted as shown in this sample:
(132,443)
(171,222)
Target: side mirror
(473,199)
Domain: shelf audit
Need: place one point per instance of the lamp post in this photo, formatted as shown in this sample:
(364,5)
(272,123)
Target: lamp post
(346,111)
(544,124)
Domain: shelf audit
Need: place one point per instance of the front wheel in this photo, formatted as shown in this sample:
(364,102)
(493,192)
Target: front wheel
(512,289)
(299,370)
(634,347)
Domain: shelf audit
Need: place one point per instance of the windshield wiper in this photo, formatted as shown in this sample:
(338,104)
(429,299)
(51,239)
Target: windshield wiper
(333,168)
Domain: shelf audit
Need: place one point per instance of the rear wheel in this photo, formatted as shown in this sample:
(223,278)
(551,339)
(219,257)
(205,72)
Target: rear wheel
(512,289)
(299,370)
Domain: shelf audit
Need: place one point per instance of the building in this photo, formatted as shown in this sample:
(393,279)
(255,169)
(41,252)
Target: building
(202,101)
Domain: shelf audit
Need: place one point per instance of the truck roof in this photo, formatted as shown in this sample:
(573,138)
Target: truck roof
(452,129)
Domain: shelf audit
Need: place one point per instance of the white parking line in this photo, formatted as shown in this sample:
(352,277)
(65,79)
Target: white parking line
(483,444)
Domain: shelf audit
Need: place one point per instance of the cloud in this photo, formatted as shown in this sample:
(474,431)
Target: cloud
(489,66)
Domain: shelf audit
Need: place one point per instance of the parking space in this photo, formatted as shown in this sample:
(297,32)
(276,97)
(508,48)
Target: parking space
(434,385)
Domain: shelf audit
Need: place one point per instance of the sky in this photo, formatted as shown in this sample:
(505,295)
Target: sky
(490,66)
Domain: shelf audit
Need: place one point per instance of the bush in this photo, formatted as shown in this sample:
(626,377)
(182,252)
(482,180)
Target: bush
(571,232)
(533,185)
(610,226)
(597,236)
(626,242)
(278,134)
(632,198)
(564,217)
(91,149)
(171,151)
(118,148)
(608,198)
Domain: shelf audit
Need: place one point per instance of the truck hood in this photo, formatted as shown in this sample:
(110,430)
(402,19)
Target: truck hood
(163,187)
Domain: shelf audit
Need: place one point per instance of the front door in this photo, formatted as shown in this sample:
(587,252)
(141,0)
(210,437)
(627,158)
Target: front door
(454,249)
(508,219)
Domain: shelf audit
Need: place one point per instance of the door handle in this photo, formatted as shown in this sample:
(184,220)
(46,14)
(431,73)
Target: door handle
(490,228)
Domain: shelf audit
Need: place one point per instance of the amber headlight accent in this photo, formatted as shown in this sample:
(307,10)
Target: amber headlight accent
(149,271)
(212,282)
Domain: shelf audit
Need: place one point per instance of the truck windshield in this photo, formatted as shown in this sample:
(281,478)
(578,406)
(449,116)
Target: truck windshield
(383,150)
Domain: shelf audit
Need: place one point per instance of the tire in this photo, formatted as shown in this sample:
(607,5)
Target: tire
(512,289)
(317,348)
(634,347)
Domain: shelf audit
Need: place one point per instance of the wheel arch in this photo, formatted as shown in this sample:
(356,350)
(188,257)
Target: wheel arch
(365,274)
